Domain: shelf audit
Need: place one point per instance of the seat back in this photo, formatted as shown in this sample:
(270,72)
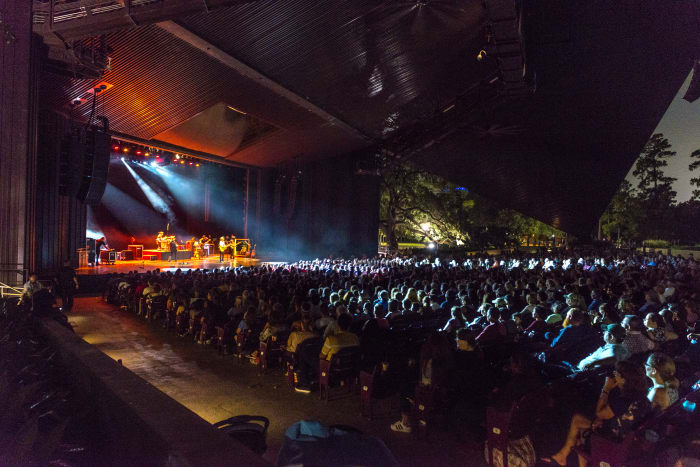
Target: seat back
(308,345)
(605,451)
(269,352)
(366,389)
(240,340)
(497,427)
(346,362)
(249,430)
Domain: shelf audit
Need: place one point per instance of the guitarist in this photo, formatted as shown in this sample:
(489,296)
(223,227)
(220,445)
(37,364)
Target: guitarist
(222,249)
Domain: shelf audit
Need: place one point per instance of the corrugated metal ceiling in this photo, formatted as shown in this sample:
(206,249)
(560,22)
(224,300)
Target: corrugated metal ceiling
(160,81)
(360,60)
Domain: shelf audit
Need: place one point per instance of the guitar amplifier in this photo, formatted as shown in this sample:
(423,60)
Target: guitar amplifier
(126,255)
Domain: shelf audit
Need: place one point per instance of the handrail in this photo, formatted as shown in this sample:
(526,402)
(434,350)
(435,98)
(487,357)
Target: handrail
(13,291)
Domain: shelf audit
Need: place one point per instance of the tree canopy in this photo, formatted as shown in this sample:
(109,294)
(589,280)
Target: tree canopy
(419,206)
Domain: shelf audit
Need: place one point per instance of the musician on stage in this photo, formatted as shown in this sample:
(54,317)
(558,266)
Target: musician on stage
(222,249)
(173,249)
(160,241)
(195,248)
(98,247)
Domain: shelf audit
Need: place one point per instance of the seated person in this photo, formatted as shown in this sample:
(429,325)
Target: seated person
(605,314)
(466,342)
(495,331)
(275,324)
(661,370)
(308,363)
(622,405)
(436,366)
(538,327)
(155,291)
(455,322)
(521,381)
(379,312)
(304,331)
(577,330)
(555,317)
(342,339)
(636,341)
(612,351)
(148,289)
(297,323)
(657,330)
(30,288)
(481,321)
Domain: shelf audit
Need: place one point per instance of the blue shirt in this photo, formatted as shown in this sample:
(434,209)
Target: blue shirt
(571,335)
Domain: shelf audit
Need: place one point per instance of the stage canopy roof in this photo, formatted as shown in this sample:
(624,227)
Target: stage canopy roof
(264,83)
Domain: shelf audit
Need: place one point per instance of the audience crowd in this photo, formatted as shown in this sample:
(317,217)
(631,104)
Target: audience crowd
(589,341)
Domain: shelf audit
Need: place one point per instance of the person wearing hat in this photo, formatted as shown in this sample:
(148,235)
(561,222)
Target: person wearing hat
(609,353)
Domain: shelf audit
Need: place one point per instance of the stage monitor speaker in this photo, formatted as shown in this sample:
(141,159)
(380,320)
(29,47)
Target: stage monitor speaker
(97,146)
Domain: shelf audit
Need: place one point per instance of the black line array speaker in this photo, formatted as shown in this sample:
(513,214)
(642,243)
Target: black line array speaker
(95,164)
(70,165)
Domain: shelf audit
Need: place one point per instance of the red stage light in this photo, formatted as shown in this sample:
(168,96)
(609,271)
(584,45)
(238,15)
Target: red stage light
(138,153)
(116,148)
(190,163)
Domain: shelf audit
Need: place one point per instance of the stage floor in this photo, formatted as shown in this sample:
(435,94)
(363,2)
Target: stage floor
(211,262)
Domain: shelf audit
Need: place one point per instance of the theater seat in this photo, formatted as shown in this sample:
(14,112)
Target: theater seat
(249,430)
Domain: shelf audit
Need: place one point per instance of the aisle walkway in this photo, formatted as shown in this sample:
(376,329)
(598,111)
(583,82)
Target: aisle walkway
(217,387)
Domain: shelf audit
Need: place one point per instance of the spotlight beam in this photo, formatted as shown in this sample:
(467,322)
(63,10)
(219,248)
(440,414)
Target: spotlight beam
(158,203)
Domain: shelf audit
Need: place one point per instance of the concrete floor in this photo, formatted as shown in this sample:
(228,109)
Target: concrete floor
(217,387)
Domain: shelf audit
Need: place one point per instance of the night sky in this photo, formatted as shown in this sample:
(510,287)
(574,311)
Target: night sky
(681,125)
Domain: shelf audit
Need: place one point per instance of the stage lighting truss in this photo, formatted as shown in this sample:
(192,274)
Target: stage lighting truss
(147,155)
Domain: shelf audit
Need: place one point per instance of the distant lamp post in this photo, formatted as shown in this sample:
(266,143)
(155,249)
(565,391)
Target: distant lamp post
(431,245)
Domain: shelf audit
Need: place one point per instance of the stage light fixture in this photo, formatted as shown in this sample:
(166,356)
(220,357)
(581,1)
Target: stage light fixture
(197,165)
(125,149)
(146,154)
(153,164)
(182,162)
(138,153)
(115,147)
(191,163)
(177,156)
